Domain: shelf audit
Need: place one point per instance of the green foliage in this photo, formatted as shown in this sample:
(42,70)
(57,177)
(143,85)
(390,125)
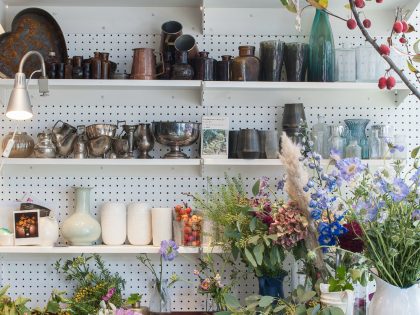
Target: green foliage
(301,302)
(12,307)
(134,298)
(91,283)
(54,305)
(342,280)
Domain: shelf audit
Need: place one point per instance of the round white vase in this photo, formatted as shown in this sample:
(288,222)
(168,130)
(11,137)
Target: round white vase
(113,223)
(81,228)
(342,299)
(48,230)
(161,225)
(139,224)
(391,300)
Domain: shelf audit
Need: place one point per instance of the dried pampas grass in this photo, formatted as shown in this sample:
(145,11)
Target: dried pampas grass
(297,178)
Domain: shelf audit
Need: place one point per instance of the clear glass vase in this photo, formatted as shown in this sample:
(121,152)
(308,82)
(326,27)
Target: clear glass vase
(160,301)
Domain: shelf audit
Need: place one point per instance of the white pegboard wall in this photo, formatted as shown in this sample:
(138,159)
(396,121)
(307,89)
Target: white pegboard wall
(35,273)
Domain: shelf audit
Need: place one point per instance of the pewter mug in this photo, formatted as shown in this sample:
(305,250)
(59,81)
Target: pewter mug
(145,140)
(120,147)
(63,137)
(249,145)
(80,150)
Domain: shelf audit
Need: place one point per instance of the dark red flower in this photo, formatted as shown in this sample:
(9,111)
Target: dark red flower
(351,240)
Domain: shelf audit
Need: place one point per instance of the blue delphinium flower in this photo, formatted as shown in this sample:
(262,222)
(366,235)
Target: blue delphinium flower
(398,190)
(280,183)
(316,214)
(168,250)
(337,229)
(349,168)
(416,176)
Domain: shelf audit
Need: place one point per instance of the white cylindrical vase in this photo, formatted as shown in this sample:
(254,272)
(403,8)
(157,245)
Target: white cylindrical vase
(139,224)
(113,223)
(161,225)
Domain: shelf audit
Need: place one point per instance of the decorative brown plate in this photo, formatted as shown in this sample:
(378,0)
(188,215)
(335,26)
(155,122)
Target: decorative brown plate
(32,29)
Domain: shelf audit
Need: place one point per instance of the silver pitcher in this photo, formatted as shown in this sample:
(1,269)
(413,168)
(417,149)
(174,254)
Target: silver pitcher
(64,137)
(145,140)
(80,150)
(45,147)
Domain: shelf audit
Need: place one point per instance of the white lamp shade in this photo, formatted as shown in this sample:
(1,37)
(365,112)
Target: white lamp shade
(19,107)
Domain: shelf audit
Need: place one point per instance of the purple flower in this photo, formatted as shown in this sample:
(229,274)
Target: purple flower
(416,215)
(316,214)
(369,209)
(263,184)
(122,311)
(416,176)
(168,250)
(109,295)
(335,155)
(349,168)
(399,190)
(280,184)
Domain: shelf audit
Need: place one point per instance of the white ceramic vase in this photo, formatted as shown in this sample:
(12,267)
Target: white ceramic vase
(343,299)
(48,230)
(113,223)
(161,225)
(81,228)
(139,224)
(391,300)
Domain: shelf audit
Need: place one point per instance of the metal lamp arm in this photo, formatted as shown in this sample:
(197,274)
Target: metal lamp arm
(27,55)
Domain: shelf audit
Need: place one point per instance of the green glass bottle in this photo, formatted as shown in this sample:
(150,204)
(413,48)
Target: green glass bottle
(321,50)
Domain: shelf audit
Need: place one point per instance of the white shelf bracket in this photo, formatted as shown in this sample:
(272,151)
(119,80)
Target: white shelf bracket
(202,167)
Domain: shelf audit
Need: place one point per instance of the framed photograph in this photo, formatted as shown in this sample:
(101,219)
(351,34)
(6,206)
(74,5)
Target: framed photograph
(215,137)
(26,227)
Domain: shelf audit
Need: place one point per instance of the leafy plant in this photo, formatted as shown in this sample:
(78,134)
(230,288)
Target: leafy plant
(134,298)
(342,280)
(8,306)
(301,302)
(93,285)
(54,305)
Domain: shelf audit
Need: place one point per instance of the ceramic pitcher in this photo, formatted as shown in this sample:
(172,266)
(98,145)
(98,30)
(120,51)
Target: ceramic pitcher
(343,299)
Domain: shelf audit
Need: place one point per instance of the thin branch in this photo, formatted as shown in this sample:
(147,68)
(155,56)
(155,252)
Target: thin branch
(387,58)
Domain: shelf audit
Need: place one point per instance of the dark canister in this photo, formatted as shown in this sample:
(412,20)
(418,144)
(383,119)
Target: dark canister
(51,65)
(181,70)
(105,66)
(68,69)
(60,70)
(77,67)
(249,146)
(296,60)
(261,134)
(96,66)
(233,144)
(271,55)
(224,68)
(86,69)
(293,117)
(203,67)
(246,67)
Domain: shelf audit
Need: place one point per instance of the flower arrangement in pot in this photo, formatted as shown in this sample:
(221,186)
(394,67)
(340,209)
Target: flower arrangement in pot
(375,210)
(259,229)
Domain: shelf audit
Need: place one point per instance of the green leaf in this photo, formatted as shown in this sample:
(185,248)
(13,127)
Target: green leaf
(414,154)
(279,308)
(258,253)
(4,290)
(411,67)
(300,310)
(256,188)
(231,302)
(250,258)
(273,237)
(289,5)
(266,301)
(336,311)
(53,307)
(253,298)
(253,224)
(307,296)
(254,240)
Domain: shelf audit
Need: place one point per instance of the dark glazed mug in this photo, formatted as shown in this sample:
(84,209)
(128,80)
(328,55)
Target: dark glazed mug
(249,145)
(296,59)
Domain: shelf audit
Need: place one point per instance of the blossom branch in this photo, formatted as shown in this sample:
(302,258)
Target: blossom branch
(372,41)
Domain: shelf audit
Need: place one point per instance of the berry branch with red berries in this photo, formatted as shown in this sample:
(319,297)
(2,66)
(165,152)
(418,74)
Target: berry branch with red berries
(400,26)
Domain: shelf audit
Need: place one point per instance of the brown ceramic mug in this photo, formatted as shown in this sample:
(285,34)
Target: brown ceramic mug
(144,64)
(171,30)
(187,43)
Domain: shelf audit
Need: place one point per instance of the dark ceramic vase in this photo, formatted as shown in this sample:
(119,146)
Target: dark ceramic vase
(224,68)
(233,144)
(271,55)
(296,59)
(182,70)
(246,67)
(249,145)
(271,286)
(293,117)
(203,67)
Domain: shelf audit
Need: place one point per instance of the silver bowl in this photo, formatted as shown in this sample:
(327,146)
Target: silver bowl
(176,135)
(98,130)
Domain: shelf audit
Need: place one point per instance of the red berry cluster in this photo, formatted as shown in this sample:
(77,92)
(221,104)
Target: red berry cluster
(351,23)
(386,82)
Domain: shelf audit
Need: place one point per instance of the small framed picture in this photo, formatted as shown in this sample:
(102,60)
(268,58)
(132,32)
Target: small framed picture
(215,137)
(26,227)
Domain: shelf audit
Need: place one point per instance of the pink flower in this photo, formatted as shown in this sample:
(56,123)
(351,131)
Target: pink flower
(205,285)
(109,295)
(196,272)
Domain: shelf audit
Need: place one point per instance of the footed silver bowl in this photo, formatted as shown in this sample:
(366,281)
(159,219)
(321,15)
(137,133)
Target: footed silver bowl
(176,135)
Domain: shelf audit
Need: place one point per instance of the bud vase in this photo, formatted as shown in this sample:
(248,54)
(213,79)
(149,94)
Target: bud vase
(160,301)
(391,300)
(81,228)
(271,286)
(321,50)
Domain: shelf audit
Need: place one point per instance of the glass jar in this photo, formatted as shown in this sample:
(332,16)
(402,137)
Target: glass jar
(353,150)
(45,148)
(321,50)
(181,70)
(192,230)
(96,65)
(203,67)
(224,68)
(374,145)
(385,136)
(336,142)
(318,128)
(357,128)
(68,69)
(345,59)
(318,140)
(366,63)
(246,67)
(401,142)
(77,67)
